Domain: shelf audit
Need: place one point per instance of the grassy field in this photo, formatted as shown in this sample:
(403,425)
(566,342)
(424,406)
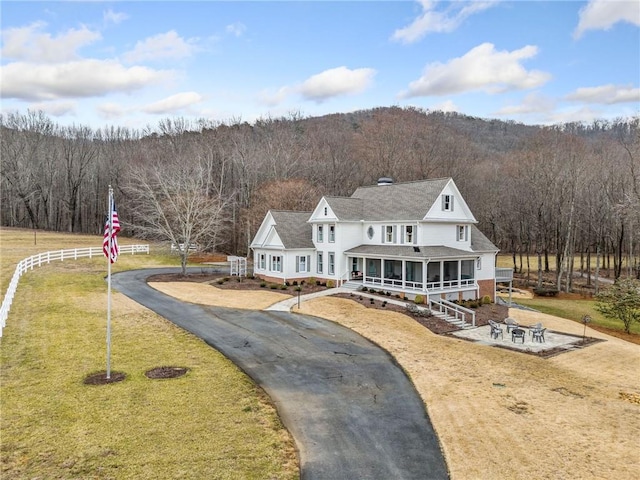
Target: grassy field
(212,423)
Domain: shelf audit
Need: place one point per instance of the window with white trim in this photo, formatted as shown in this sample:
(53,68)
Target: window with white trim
(276,263)
(447,203)
(463,233)
(263,263)
(479,263)
(408,234)
(320,233)
(332,233)
(388,234)
(302,263)
(332,263)
(320,264)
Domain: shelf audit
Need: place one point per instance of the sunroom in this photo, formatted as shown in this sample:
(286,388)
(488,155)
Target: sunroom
(415,270)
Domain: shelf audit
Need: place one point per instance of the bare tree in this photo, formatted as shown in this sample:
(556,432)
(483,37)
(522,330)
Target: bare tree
(178,202)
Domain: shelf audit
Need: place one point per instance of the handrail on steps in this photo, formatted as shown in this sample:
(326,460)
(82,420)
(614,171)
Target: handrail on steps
(459,312)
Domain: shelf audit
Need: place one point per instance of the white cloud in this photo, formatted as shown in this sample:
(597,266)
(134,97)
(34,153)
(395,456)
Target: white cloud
(605,94)
(162,46)
(272,98)
(111,17)
(336,82)
(482,68)
(603,14)
(532,103)
(237,29)
(56,109)
(31,44)
(432,21)
(84,78)
(446,106)
(174,103)
(111,110)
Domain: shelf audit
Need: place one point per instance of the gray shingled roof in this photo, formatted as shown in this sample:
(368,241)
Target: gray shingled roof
(399,201)
(408,251)
(346,208)
(480,243)
(293,229)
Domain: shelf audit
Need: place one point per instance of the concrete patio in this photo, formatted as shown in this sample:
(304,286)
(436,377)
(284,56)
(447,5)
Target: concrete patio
(553,340)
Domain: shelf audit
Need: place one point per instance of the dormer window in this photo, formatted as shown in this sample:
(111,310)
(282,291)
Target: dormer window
(447,203)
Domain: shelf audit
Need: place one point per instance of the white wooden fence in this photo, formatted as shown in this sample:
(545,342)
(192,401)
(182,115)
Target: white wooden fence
(46,257)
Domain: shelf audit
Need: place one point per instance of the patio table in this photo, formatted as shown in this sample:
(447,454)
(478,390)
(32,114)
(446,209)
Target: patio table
(517,333)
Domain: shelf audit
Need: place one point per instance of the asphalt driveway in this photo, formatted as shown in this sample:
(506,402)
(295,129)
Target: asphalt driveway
(352,411)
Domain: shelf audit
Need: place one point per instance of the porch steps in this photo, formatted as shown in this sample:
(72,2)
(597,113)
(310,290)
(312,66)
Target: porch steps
(352,285)
(452,320)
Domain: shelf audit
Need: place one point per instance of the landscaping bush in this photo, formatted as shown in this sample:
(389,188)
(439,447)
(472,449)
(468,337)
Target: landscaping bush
(330,284)
(545,292)
(273,286)
(486,300)
(263,284)
(284,287)
(220,281)
(419,299)
(365,289)
(312,281)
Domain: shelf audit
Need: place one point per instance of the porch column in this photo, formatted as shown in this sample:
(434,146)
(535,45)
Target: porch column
(425,276)
(404,274)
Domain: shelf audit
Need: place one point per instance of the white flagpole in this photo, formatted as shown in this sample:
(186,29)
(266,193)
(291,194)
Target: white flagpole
(109,283)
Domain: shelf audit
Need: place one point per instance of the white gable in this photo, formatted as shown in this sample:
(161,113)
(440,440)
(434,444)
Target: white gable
(450,207)
(323,212)
(266,236)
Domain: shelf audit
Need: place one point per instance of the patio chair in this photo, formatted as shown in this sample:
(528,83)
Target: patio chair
(535,328)
(495,330)
(511,324)
(538,335)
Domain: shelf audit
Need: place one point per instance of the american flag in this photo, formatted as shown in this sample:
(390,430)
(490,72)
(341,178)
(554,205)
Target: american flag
(115,228)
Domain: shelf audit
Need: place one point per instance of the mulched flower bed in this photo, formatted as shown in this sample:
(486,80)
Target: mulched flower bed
(166,372)
(100,378)
(435,324)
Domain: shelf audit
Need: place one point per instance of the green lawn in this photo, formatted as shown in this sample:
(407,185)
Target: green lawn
(575,310)
(212,423)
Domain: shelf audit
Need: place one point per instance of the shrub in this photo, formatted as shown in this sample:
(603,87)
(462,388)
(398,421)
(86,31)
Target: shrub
(388,294)
(295,283)
(226,279)
(287,283)
(312,281)
(486,300)
(330,284)
(384,304)
(273,286)
(365,289)
(263,284)
(220,281)
(297,289)
(419,299)
(284,287)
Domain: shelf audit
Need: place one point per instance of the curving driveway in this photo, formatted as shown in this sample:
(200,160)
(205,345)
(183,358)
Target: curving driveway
(352,411)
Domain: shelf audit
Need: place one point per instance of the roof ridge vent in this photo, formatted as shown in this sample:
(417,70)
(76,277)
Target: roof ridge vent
(385,181)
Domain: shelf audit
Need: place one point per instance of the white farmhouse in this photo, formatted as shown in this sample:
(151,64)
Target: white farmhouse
(406,238)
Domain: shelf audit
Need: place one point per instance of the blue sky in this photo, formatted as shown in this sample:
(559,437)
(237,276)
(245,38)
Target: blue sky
(135,63)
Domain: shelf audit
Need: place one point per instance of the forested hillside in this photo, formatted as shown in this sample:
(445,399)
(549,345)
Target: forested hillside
(552,191)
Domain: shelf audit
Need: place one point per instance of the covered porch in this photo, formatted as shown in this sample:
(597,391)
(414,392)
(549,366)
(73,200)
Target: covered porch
(418,271)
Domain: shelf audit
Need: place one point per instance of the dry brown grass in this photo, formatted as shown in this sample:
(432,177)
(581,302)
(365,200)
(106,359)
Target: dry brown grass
(205,294)
(507,415)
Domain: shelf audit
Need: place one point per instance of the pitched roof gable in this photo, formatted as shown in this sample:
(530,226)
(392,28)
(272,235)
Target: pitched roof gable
(293,229)
(399,201)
